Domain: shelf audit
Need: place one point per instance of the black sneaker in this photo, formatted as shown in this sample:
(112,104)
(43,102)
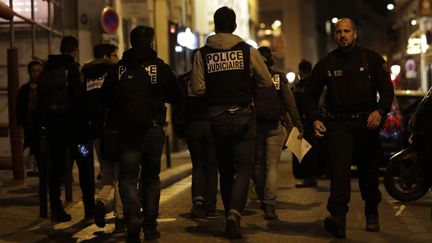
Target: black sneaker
(232,229)
(60,216)
(372,223)
(336,225)
(269,212)
(99,215)
(197,210)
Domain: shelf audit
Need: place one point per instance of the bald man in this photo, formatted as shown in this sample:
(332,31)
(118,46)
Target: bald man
(353,76)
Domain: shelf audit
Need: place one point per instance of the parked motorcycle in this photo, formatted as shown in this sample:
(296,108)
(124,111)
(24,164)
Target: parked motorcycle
(408,175)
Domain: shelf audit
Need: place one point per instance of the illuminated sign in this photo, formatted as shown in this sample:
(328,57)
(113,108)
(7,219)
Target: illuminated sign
(23,7)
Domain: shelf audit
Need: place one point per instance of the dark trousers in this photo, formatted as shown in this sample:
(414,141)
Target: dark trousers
(314,162)
(56,157)
(234,138)
(141,160)
(58,154)
(204,165)
(309,166)
(86,176)
(350,141)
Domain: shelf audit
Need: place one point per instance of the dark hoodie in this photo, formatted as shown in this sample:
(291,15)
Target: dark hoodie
(96,94)
(60,100)
(142,83)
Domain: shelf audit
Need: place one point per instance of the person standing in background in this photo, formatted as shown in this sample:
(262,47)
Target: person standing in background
(27,101)
(306,171)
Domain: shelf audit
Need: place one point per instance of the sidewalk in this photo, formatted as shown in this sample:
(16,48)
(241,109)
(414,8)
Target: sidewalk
(19,202)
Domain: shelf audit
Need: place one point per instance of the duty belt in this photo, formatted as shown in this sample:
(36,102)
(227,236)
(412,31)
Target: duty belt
(348,116)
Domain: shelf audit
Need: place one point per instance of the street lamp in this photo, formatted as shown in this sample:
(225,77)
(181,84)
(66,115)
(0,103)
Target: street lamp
(390,6)
(291,77)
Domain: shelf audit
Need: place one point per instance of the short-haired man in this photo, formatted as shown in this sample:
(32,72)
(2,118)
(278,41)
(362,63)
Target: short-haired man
(222,71)
(96,99)
(59,99)
(142,83)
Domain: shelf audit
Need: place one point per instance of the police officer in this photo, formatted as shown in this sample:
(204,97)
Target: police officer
(276,114)
(222,71)
(95,73)
(305,171)
(142,84)
(191,124)
(353,76)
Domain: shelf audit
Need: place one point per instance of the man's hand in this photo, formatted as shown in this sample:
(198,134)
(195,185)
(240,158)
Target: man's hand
(21,131)
(319,128)
(374,120)
(182,140)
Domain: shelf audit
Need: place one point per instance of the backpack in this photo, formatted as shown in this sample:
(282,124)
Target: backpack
(53,89)
(267,104)
(140,99)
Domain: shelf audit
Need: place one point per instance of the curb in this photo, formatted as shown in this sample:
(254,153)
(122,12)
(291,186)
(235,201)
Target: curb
(173,175)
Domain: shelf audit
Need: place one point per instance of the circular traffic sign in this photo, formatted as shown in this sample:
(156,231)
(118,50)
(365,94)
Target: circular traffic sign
(109,20)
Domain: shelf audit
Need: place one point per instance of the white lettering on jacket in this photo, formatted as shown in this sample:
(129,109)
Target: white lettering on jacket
(276,81)
(152,72)
(96,83)
(225,61)
(121,70)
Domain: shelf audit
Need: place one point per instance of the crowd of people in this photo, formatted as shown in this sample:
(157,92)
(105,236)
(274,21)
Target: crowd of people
(233,110)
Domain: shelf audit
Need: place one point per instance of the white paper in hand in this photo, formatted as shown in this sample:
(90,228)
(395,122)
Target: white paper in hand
(299,147)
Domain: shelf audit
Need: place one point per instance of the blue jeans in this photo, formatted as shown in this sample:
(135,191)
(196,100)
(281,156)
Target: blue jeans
(109,183)
(234,138)
(270,139)
(140,160)
(204,165)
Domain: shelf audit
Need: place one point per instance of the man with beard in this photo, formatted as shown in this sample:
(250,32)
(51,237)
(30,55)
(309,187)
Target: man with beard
(353,76)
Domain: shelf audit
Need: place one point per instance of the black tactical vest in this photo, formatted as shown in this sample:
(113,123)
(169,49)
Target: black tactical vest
(140,99)
(227,75)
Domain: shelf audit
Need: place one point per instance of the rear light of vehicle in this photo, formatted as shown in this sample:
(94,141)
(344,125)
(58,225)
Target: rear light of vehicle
(392,125)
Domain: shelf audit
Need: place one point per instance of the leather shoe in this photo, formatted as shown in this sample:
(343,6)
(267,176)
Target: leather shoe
(60,216)
(308,182)
(232,229)
(336,225)
(99,215)
(151,234)
(269,212)
(372,223)
(197,210)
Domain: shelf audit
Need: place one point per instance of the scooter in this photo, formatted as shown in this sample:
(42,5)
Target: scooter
(408,175)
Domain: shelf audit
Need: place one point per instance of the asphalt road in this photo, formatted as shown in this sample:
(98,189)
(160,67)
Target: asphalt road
(301,213)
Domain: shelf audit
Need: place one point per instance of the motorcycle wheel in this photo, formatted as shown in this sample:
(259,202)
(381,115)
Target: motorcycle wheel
(406,181)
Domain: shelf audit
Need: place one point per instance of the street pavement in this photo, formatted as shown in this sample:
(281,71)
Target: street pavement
(301,213)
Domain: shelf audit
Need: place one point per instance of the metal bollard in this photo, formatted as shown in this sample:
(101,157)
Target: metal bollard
(68,175)
(168,152)
(42,163)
